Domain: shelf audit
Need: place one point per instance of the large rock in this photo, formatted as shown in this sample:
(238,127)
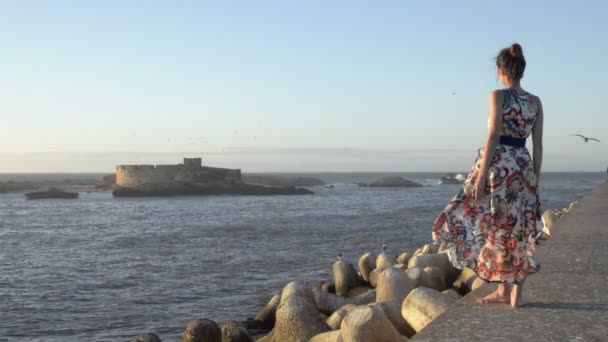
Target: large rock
(467,281)
(202,330)
(330,336)
(393,284)
(392,311)
(345,276)
(394,182)
(297,318)
(327,303)
(267,316)
(149,337)
(369,324)
(234,332)
(441,261)
(366,265)
(336,318)
(422,306)
(384,261)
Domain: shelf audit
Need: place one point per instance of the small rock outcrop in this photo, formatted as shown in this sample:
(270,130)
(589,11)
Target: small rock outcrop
(202,330)
(394,182)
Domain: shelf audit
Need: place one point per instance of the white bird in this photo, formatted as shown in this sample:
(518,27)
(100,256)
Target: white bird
(384,247)
(585,138)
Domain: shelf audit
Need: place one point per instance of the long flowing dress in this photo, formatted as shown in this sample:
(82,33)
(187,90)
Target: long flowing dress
(497,238)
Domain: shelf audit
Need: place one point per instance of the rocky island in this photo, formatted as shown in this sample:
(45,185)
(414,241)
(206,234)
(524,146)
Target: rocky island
(189,179)
(391,182)
(52,193)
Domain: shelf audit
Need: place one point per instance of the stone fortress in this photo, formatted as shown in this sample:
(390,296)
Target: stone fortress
(190,172)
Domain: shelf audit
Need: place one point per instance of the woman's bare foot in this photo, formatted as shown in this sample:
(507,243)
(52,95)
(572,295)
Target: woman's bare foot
(516,300)
(501,295)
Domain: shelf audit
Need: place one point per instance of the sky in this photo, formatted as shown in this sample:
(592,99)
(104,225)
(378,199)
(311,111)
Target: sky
(290,85)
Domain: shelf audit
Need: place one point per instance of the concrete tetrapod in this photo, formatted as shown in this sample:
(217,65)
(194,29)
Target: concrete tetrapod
(202,330)
(234,332)
(330,336)
(403,258)
(267,316)
(369,324)
(345,276)
(297,318)
(422,306)
(441,261)
(336,318)
(393,284)
(392,311)
(366,265)
(467,281)
(327,303)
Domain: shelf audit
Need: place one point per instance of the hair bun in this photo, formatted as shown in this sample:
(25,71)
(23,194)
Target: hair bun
(516,50)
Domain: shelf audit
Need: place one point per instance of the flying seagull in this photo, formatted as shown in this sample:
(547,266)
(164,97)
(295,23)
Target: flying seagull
(585,138)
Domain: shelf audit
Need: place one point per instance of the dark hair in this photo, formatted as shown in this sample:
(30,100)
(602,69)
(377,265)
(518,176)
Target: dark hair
(512,62)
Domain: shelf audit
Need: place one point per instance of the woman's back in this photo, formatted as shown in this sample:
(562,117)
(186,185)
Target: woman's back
(519,113)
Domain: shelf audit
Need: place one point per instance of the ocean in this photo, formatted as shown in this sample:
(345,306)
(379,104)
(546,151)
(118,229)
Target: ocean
(105,269)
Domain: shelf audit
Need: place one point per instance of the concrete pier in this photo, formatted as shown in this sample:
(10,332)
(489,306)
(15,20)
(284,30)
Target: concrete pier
(567,300)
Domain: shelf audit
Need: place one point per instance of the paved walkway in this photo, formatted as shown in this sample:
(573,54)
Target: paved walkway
(567,300)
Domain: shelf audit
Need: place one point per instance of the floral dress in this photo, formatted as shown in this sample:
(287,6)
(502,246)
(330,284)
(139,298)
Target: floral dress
(497,237)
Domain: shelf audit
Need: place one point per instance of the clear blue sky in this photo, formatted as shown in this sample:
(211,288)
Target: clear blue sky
(290,85)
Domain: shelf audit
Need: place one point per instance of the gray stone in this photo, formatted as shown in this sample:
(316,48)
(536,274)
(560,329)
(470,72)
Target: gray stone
(345,277)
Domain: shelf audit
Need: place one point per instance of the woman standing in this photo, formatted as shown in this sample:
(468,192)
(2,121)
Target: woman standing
(492,224)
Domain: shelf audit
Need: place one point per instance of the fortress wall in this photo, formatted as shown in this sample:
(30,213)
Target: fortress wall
(132,176)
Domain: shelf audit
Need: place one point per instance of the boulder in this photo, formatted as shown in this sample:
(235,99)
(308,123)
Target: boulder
(297,318)
(467,281)
(336,318)
(202,330)
(392,311)
(366,265)
(330,336)
(393,284)
(267,316)
(234,332)
(441,261)
(327,303)
(369,324)
(403,258)
(345,276)
(422,306)
(451,294)
(149,337)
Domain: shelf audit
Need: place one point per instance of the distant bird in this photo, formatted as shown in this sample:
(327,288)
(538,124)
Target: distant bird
(340,256)
(584,137)
(384,247)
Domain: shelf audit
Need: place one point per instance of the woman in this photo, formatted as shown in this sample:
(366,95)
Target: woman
(492,224)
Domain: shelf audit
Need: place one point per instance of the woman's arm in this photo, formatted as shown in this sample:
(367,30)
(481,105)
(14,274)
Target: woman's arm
(494,124)
(537,140)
